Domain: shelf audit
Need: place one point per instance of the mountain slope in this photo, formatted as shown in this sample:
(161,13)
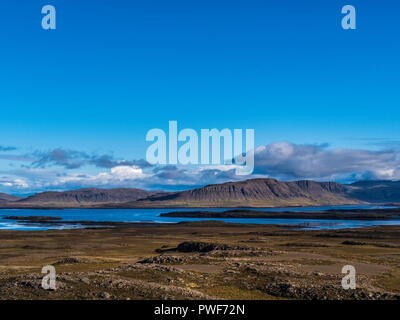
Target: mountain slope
(8,197)
(84,197)
(253,193)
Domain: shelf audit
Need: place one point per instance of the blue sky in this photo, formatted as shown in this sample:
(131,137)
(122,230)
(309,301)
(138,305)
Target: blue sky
(112,70)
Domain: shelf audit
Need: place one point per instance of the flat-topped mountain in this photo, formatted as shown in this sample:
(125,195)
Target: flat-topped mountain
(254,193)
(82,197)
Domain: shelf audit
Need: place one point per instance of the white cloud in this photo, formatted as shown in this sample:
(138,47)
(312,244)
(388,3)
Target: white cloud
(291,161)
(281,160)
(127,172)
(15,183)
(114,177)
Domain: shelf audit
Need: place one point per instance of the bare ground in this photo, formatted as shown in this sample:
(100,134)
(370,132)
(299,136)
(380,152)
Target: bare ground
(216,261)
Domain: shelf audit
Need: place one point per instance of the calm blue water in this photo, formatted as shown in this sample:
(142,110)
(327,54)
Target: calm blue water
(153,215)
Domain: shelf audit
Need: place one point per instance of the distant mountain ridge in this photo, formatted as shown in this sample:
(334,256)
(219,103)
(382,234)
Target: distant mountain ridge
(88,196)
(375,191)
(8,197)
(248,193)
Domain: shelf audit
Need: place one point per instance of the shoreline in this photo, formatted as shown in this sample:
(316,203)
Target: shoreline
(122,206)
(337,218)
(57,223)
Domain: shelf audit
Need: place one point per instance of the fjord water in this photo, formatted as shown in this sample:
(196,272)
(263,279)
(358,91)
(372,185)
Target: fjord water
(153,215)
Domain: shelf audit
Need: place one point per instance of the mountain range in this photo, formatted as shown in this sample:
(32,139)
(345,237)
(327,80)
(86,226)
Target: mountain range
(80,197)
(248,193)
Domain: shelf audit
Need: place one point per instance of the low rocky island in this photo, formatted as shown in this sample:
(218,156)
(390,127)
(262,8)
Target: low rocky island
(342,214)
(54,221)
(39,219)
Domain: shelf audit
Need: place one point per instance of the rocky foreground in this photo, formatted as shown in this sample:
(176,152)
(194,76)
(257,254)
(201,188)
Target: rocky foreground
(204,260)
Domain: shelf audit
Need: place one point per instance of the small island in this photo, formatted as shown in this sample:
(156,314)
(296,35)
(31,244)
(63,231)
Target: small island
(342,214)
